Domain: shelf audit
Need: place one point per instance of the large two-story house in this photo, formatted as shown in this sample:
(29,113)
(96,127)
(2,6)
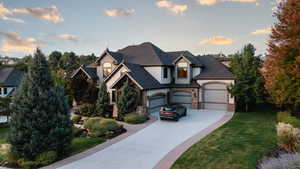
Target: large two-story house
(161,77)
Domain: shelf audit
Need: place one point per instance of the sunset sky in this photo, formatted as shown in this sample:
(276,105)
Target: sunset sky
(89,26)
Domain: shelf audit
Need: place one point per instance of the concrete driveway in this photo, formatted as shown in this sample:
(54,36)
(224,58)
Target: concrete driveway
(144,149)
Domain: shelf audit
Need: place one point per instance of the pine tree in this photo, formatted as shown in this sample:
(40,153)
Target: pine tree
(249,86)
(39,121)
(127,101)
(102,101)
(282,66)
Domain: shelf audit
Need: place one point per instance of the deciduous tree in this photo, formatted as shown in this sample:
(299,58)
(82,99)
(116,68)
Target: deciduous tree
(282,66)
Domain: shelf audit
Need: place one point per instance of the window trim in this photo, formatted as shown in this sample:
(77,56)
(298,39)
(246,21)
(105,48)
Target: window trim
(5,91)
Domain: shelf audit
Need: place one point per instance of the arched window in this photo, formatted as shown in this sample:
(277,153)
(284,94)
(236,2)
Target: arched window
(106,69)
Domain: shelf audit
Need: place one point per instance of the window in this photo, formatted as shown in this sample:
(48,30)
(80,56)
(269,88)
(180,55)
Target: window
(182,70)
(106,69)
(5,91)
(165,72)
(0,91)
(113,96)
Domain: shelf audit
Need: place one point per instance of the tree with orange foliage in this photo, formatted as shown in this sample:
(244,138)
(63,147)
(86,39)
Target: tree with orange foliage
(282,66)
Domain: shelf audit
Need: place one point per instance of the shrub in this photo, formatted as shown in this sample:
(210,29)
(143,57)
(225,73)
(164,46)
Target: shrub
(134,118)
(100,127)
(288,137)
(87,109)
(286,117)
(26,164)
(76,118)
(46,158)
(284,161)
(77,132)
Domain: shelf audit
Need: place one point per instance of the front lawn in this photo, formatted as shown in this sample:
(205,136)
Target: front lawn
(81,144)
(246,138)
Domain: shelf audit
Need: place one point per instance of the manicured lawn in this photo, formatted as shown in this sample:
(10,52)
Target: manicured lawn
(80,144)
(236,145)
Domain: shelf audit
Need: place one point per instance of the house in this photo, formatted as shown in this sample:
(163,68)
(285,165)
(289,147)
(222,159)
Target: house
(161,77)
(10,79)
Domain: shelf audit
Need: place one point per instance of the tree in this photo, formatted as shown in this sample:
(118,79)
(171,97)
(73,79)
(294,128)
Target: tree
(4,105)
(40,120)
(282,66)
(249,86)
(69,61)
(127,101)
(54,59)
(102,101)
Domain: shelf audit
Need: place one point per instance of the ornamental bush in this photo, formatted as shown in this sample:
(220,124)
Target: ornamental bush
(100,127)
(288,137)
(76,118)
(87,109)
(284,161)
(135,118)
(46,158)
(286,117)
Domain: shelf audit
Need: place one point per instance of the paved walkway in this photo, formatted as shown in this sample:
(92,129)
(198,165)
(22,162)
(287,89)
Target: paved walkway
(146,148)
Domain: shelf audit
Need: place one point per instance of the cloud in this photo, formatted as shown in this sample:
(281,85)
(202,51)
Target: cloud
(4,12)
(207,2)
(213,2)
(15,43)
(118,12)
(217,40)
(67,37)
(175,8)
(262,31)
(50,13)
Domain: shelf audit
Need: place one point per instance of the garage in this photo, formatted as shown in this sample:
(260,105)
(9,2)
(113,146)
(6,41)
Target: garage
(215,96)
(156,102)
(182,97)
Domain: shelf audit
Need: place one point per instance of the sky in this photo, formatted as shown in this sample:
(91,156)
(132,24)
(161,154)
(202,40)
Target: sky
(91,26)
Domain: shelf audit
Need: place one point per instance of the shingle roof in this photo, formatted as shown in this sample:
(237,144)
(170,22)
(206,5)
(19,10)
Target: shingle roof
(213,69)
(142,77)
(90,71)
(146,54)
(10,76)
(186,54)
(117,56)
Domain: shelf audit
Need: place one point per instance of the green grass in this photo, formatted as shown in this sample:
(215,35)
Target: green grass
(238,144)
(81,144)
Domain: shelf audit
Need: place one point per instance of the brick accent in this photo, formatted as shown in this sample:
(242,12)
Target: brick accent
(231,107)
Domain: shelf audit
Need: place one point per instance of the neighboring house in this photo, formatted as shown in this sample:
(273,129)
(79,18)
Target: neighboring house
(161,77)
(10,79)
(8,60)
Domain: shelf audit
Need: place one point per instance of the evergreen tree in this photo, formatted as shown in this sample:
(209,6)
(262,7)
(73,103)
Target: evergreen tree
(282,65)
(127,101)
(39,120)
(249,86)
(102,101)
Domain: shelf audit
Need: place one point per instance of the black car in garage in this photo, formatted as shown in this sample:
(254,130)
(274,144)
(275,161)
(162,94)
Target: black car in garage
(173,112)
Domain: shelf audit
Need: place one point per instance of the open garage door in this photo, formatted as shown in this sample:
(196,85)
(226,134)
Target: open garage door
(215,96)
(182,97)
(156,102)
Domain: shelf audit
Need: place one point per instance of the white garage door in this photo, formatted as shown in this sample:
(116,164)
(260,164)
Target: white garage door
(215,96)
(156,102)
(184,98)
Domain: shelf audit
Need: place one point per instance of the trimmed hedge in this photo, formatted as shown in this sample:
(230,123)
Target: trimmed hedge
(101,127)
(134,118)
(286,117)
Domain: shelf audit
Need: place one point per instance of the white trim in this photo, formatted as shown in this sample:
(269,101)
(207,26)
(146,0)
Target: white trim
(80,68)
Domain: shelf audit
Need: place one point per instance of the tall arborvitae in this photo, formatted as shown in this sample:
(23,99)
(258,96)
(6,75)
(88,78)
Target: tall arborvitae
(127,101)
(39,121)
(102,101)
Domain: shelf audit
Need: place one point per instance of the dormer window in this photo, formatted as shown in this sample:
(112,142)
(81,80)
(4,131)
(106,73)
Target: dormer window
(182,70)
(107,68)
(165,72)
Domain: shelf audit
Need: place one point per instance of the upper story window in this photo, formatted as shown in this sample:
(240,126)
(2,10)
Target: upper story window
(5,91)
(182,70)
(165,72)
(0,91)
(107,68)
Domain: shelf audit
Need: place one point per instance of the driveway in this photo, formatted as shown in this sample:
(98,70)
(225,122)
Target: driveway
(144,149)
